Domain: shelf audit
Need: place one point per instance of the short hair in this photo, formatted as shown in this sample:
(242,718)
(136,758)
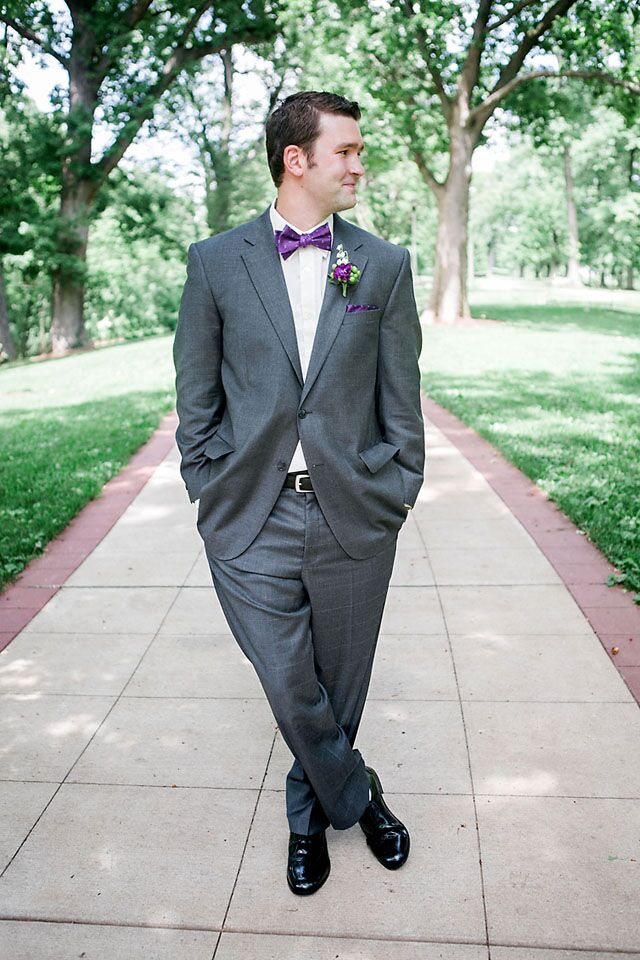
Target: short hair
(296,120)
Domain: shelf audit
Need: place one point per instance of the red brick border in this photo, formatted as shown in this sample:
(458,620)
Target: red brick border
(42,578)
(613,615)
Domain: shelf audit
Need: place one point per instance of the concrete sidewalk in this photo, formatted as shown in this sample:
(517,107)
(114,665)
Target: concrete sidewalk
(142,774)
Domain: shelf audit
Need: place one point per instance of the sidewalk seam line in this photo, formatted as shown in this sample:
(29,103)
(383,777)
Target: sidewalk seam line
(467,750)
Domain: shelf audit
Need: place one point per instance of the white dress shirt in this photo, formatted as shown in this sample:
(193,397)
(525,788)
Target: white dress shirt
(305,274)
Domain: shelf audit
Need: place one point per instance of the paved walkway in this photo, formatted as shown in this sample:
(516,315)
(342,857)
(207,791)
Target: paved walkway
(142,804)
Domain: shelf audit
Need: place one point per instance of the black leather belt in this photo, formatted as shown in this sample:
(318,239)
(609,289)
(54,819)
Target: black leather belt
(299,481)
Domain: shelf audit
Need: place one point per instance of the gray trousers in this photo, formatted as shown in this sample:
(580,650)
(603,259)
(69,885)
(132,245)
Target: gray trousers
(307,616)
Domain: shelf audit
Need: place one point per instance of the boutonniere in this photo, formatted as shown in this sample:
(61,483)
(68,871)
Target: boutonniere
(343,272)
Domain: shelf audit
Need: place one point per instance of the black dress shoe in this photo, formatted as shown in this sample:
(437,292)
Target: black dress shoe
(386,835)
(308,866)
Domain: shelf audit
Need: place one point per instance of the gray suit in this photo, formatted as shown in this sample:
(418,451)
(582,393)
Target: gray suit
(280,560)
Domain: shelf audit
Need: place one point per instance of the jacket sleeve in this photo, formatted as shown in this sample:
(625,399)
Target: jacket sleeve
(197,357)
(398,380)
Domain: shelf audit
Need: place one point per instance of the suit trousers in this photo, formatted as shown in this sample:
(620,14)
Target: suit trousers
(307,616)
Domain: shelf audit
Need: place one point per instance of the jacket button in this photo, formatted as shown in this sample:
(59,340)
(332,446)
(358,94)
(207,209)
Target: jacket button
(281,465)
(302,413)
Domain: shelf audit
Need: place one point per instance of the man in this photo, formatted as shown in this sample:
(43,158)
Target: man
(298,396)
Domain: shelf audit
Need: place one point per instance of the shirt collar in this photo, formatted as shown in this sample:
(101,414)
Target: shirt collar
(278,222)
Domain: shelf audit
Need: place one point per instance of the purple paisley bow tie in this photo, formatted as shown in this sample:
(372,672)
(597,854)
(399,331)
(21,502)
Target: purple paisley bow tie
(288,241)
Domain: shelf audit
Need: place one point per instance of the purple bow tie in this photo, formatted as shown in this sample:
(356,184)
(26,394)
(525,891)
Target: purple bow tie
(288,241)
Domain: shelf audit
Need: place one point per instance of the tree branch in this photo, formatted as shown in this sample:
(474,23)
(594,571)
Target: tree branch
(427,56)
(130,19)
(425,171)
(143,110)
(510,71)
(510,14)
(134,14)
(489,105)
(471,67)
(28,34)
(274,93)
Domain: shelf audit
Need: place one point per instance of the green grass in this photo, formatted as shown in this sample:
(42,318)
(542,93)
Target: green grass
(581,317)
(556,388)
(66,427)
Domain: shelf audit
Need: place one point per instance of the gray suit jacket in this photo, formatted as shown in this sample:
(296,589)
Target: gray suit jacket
(242,401)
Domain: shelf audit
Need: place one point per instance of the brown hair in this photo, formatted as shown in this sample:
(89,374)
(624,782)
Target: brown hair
(296,120)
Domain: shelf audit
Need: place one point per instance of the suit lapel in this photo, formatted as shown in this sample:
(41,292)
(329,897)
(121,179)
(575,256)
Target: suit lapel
(334,303)
(264,264)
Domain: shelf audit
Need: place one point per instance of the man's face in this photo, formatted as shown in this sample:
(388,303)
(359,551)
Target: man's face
(332,172)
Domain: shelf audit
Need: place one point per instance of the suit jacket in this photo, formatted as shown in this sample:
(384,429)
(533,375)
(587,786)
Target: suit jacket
(242,402)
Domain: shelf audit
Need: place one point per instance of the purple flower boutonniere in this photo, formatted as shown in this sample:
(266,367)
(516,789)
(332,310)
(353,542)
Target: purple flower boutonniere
(343,272)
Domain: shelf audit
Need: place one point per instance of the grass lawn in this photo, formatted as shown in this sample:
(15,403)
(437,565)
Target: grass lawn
(555,386)
(66,427)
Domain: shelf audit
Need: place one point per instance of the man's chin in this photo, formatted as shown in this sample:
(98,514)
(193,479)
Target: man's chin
(348,200)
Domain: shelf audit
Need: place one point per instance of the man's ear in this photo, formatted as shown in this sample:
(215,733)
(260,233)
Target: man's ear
(294,160)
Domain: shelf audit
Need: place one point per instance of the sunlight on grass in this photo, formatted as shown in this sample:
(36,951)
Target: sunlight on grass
(561,404)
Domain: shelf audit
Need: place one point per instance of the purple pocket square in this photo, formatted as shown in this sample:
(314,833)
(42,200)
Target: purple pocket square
(360,307)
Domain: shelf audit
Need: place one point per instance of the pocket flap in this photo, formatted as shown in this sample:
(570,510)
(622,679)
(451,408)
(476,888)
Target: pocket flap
(377,455)
(217,446)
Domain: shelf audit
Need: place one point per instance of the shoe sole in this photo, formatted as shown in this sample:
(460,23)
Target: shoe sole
(306,893)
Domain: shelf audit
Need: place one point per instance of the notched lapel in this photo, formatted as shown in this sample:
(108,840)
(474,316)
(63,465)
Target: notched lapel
(262,260)
(334,303)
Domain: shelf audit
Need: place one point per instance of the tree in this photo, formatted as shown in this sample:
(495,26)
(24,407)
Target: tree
(517,213)
(607,174)
(120,57)
(442,69)
(225,132)
(135,275)
(29,146)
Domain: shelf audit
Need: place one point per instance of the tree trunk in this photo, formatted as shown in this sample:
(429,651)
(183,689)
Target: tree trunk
(219,202)
(491,257)
(573,262)
(7,346)
(449,301)
(632,163)
(414,239)
(77,192)
(67,327)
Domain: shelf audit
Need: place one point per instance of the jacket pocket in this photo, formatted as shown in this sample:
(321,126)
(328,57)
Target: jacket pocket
(377,455)
(361,316)
(217,446)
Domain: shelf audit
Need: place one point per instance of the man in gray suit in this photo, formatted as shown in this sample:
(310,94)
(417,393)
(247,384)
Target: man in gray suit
(298,396)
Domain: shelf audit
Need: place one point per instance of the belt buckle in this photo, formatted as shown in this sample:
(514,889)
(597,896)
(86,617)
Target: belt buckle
(296,482)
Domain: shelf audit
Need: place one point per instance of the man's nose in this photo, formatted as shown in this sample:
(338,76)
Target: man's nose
(357,168)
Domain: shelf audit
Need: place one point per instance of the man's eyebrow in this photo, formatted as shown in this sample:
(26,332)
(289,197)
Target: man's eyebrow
(342,146)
